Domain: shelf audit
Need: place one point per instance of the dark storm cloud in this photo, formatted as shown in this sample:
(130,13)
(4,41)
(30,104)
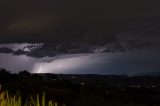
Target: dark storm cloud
(39,18)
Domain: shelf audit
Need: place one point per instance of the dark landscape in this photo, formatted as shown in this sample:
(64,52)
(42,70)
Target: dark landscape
(84,89)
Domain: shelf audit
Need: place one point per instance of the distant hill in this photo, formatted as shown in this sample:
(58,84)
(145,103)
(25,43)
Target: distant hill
(155,73)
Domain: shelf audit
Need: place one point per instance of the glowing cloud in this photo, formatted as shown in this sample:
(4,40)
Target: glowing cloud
(64,65)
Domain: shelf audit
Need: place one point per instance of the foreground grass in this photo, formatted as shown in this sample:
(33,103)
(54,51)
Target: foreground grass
(8,100)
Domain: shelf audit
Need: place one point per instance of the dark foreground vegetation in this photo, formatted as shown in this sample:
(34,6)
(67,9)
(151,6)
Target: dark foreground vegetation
(84,90)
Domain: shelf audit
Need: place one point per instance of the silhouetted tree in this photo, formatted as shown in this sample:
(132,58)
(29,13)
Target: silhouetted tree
(4,76)
(24,74)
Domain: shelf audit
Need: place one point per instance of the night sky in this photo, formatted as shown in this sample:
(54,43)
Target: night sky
(131,28)
(47,19)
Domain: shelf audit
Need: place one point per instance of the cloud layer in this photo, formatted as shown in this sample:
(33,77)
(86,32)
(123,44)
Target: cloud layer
(41,19)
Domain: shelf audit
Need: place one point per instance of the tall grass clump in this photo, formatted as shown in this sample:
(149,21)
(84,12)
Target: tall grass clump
(41,101)
(7,100)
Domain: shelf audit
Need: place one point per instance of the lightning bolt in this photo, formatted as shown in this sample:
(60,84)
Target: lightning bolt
(40,69)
